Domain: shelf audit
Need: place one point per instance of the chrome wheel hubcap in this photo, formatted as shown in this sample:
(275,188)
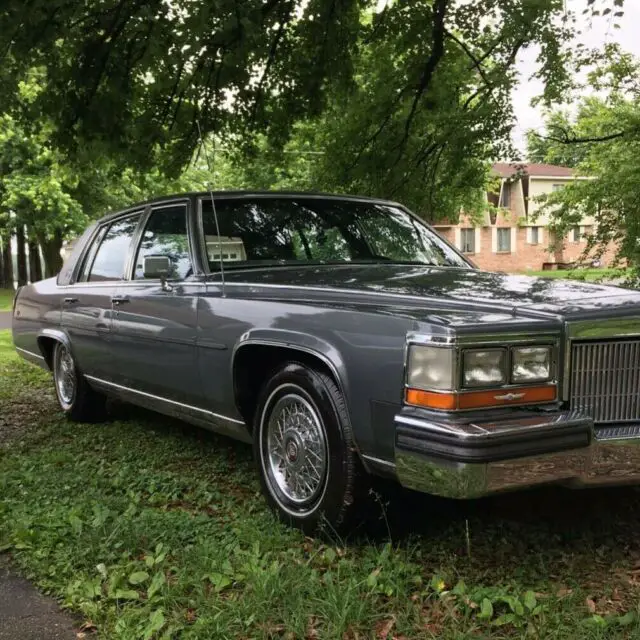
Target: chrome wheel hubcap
(65,376)
(297,449)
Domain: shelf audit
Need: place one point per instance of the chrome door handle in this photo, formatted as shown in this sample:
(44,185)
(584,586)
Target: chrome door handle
(119,299)
(70,300)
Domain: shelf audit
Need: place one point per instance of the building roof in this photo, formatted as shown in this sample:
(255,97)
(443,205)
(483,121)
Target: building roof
(508,169)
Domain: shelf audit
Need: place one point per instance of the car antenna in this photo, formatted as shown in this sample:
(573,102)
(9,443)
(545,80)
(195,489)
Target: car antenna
(213,202)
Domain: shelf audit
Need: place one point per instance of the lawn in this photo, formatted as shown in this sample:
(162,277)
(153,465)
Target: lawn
(6,299)
(152,529)
(588,275)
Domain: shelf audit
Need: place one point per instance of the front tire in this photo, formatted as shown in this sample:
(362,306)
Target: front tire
(78,401)
(303,444)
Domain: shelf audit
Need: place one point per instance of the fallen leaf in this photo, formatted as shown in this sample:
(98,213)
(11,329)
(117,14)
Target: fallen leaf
(383,628)
(563,593)
(311,632)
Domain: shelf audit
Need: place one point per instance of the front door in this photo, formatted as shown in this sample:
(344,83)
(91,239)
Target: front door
(87,307)
(155,323)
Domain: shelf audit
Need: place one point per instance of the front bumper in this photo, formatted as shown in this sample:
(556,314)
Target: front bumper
(463,458)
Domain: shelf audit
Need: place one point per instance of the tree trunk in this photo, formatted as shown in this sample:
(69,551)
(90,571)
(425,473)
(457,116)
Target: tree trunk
(7,261)
(35,265)
(51,251)
(22,256)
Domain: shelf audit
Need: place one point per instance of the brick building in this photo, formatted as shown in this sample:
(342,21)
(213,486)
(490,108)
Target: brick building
(514,239)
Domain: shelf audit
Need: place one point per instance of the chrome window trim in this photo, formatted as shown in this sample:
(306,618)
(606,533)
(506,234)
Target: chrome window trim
(102,226)
(137,239)
(130,283)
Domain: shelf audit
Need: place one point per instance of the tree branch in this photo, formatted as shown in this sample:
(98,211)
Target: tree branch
(476,63)
(437,52)
(567,139)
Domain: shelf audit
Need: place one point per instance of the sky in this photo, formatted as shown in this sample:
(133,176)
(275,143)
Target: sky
(596,32)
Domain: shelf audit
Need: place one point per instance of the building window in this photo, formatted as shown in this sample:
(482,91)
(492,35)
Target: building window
(504,240)
(535,235)
(575,234)
(505,196)
(557,187)
(468,240)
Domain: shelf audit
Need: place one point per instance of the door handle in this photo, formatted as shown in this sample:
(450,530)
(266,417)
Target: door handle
(70,300)
(119,299)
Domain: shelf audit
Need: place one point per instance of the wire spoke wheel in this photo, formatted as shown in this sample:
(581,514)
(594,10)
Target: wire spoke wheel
(65,376)
(296,449)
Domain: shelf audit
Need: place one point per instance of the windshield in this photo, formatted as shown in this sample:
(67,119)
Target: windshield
(263,231)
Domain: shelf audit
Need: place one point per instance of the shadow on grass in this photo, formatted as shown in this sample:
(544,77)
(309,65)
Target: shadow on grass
(606,516)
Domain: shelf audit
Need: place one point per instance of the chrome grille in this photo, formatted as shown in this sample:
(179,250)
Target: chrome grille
(605,380)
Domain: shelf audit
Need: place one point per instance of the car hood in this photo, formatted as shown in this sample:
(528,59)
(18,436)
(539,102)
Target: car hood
(496,290)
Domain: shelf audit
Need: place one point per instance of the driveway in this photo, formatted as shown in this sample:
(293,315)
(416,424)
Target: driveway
(5,320)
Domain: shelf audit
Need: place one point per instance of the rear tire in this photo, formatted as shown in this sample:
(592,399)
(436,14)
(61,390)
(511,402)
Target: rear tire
(78,401)
(309,469)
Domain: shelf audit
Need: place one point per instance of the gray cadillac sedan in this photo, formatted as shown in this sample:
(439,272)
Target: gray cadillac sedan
(342,337)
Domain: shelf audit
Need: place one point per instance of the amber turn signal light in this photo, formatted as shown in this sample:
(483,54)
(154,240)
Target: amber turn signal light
(481,399)
(445,401)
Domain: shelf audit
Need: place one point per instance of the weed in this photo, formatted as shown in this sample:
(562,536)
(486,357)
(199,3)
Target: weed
(151,529)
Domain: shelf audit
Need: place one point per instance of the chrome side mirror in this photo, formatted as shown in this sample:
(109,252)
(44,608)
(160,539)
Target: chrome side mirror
(157,268)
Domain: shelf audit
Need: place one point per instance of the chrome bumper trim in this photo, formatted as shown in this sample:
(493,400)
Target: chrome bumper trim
(610,457)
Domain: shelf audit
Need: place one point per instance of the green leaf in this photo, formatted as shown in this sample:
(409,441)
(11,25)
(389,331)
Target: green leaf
(530,601)
(138,577)
(486,609)
(330,555)
(627,619)
(76,523)
(126,594)
(156,622)
(157,583)
(507,618)
(220,581)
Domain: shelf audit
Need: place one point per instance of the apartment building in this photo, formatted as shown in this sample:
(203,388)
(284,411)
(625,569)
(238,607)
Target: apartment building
(513,238)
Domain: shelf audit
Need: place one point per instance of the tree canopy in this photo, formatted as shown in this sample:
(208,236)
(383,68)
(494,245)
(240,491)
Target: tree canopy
(104,102)
(604,140)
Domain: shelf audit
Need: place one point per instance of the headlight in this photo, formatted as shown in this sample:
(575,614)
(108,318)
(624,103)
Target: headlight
(486,367)
(530,364)
(430,368)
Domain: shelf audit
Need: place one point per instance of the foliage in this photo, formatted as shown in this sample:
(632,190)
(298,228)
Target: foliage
(607,133)
(151,529)
(409,102)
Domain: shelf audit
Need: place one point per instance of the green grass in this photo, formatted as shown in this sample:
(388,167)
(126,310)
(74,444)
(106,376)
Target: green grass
(6,299)
(152,529)
(588,275)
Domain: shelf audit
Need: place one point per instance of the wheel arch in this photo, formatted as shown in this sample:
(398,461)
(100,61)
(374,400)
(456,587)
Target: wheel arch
(255,357)
(47,340)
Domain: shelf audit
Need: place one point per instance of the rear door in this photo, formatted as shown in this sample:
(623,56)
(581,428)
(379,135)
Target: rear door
(87,308)
(155,324)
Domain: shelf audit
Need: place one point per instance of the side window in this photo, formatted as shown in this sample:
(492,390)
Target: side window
(111,256)
(165,234)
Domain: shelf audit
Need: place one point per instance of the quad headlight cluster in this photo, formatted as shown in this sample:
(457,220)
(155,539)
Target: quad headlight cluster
(434,368)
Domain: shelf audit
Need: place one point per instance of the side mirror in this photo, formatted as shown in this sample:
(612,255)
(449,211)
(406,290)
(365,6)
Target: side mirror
(156,267)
